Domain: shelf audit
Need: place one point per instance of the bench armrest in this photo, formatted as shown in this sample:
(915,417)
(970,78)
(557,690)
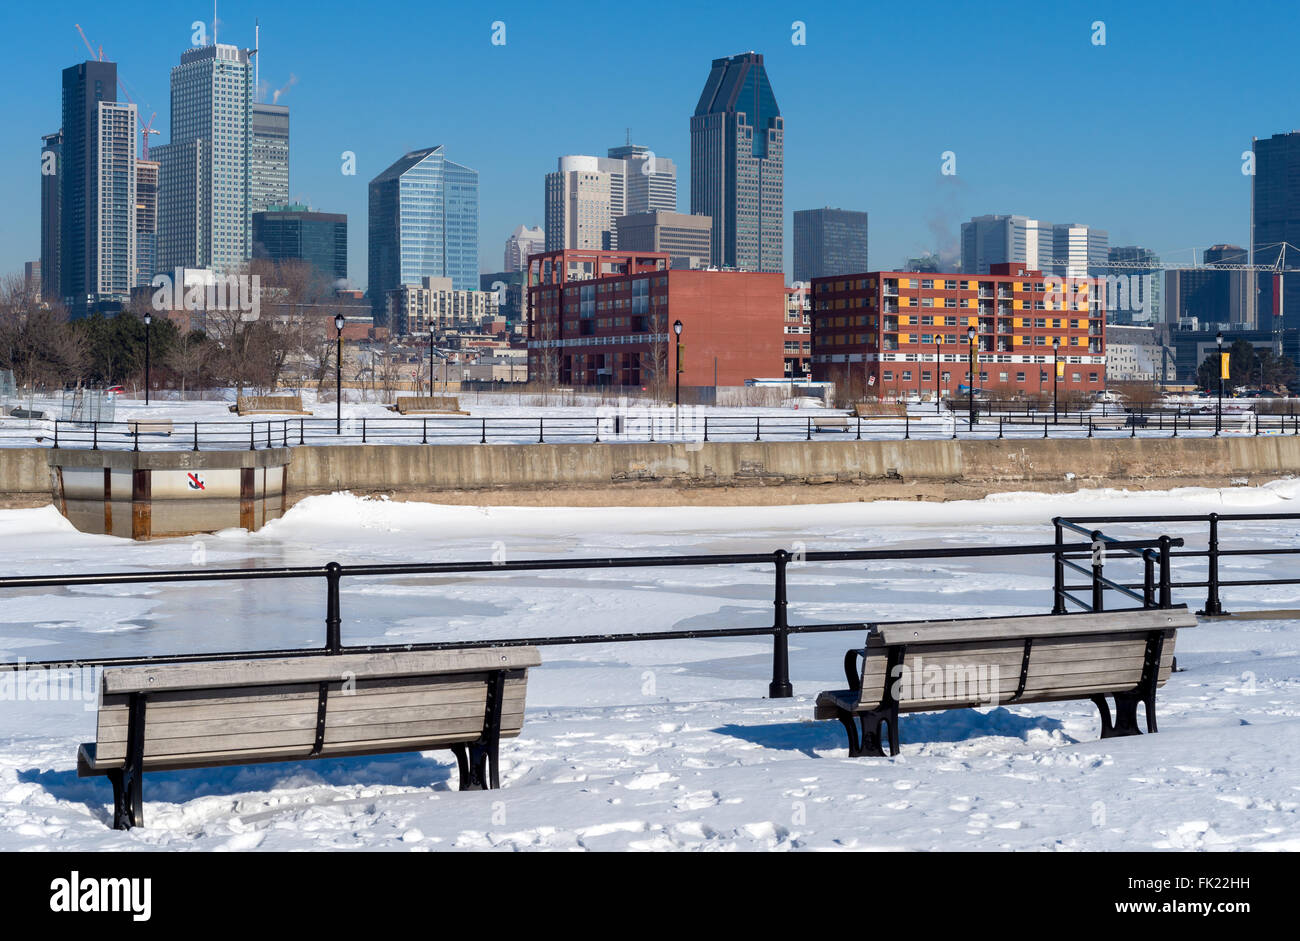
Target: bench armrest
(852,672)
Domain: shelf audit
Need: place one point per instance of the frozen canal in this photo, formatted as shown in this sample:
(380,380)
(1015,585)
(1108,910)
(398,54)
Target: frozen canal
(669,744)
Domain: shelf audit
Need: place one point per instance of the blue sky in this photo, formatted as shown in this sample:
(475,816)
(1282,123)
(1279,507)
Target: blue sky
(1142,136)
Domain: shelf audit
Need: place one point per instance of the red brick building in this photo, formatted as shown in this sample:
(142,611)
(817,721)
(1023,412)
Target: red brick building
(889,333)
(606,318)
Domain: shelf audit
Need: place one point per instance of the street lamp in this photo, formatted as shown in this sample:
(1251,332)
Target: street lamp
(338,377)
(970,383)
(431,359)
(148,319)
(1056,379)
(677,388)
(938,365)
(1218,411)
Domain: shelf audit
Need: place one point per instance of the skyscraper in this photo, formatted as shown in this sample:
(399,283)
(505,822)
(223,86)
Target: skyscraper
(1140,303)
(829,242)
(650,181)
(583,197)
(204,199)
(296,233)
(1276,214)
(523,241)
(268,167)
(423,223)
(737,164)
(146,221)
(51,180)
(1001,239)
(97,189)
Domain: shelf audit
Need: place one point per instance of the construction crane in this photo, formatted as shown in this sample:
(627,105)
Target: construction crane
(98,57)
(146,128)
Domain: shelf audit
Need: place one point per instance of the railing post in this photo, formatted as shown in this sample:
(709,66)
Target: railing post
(135,429)
(1148,578)
(268,434)
(808,436)
(999,426)
(1044,427)
(284,433)
(597,431)
(1213,606)
(780,687)
(424,430)
(482,439)
(333,621)
(1058,570)
(56,433)
(907,427)
(859,427)
(94,430)
(1089,426)
(301,439)
(541,430)
(1166,600)
(363,431)
(252,443)
(706,427)
(196,436)
(758,427)
(1098,587)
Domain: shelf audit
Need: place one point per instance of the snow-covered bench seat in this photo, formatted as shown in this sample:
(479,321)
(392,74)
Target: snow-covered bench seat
(928,666)
(240,712)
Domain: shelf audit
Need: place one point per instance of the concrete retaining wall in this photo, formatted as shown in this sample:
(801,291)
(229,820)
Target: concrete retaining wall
(546,466)
(946,466)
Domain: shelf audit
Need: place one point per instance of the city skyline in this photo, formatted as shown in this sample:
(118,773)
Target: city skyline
(1137,189)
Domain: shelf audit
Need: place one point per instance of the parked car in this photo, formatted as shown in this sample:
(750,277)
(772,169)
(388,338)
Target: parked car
(115,390)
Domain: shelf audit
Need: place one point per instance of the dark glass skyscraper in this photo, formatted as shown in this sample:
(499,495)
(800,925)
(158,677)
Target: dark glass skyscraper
(1277,220)
(295,233)
(738,164)
(828,242)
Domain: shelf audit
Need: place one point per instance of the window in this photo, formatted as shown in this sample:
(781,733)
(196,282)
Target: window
(1092,377)
(1075,377)
(1020,377)
(950,302)
(925,375)
(887,375)
(927,284)
(1002,377)
(907,375)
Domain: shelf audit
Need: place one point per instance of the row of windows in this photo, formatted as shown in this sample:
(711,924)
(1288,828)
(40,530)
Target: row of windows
(905,375)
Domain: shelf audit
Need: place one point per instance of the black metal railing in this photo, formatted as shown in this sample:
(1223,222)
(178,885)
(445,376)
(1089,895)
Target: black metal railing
(1213,553)
(657,425)
(780,629)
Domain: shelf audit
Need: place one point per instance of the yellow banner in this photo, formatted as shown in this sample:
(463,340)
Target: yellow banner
(1060,370)
(1223,365)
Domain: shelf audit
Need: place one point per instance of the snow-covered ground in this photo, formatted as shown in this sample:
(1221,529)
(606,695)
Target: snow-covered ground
(668,745)
(513,418)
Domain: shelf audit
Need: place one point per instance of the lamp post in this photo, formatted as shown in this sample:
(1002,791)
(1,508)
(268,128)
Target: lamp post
(430,359)
(148,320)
(970,384)
(1218,411)
(1056,379)
(338,377)
(677,386)
(938,366)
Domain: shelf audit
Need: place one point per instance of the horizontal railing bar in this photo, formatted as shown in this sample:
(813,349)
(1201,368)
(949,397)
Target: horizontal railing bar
(437,568)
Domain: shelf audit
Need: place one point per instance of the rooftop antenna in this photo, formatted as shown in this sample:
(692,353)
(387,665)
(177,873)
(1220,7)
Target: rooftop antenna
(214,22)
(257,63)
(629,136)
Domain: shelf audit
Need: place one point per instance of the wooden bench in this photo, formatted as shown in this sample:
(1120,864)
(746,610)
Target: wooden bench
(269,405)
(928,666)
(240,712)
(879,410)
(831,423)
(153,426)
(428,404)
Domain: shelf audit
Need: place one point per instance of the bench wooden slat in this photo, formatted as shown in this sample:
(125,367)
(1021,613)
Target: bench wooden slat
(923,632)
(314,669)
